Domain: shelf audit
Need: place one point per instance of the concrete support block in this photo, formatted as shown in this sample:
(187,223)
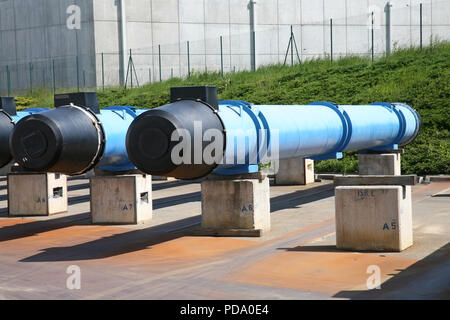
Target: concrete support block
(377,218)
(37,194)
(123,199)
(297,171)
(236,204)
(379,164)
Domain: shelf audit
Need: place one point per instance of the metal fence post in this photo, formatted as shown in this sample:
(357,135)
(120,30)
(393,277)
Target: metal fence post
(54,76)
(221,55)
(189,60)
(130,66)
(31,77)
(251,8)
(292,47)
(78,73)
(421,24)
(159,54)
(150,75)
(372,49)
(331,39)
(103,72)
(8,80)
(387,10)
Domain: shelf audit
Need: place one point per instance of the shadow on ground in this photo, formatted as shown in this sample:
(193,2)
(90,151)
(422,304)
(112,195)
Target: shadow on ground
(118,244)
(428,278)
(176,200)
(23,230)
(300,197)
(326,249)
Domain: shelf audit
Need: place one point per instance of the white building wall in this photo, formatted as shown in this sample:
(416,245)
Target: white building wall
(202,22)
(39,35)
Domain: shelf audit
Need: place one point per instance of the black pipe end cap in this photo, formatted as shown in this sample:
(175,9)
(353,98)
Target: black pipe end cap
(36,143)
(149,142)
(153,136)
(6,127)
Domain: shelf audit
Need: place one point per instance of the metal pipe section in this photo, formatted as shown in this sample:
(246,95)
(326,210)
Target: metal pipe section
(72,140)
(258,133)
(8,118)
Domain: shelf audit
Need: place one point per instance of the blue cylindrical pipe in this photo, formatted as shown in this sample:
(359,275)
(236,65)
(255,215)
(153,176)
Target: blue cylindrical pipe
(256,133)
(115,121)
(321,130)
(72,140)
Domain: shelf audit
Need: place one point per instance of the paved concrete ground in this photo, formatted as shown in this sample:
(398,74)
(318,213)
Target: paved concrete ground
(164,260)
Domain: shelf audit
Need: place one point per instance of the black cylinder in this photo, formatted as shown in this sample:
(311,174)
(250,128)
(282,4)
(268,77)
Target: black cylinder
(68,140)
(150,145)
(6,127)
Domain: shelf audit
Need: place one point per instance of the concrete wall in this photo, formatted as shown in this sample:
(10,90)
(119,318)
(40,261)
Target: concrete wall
(167,25)
(202,22)
(34,31)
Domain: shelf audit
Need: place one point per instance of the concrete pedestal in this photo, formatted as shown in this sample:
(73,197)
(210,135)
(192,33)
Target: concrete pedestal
(123,199)
(236,206)
(379,164)
(37,194)
(377,218)
(296,171)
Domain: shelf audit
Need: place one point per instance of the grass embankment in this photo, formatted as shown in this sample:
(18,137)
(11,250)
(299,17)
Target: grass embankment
(418,78)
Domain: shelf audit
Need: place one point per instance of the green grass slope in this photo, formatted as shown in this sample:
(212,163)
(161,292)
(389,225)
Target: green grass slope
(418,78)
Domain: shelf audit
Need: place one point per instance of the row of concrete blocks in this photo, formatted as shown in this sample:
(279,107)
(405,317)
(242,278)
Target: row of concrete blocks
(376,217)
(115,199)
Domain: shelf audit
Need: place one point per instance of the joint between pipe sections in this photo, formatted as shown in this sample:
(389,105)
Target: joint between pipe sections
(258,118)
(401,119)
(214,110)
(418,122)
(265,124)
(253,116)
(346,127)
(102,139)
